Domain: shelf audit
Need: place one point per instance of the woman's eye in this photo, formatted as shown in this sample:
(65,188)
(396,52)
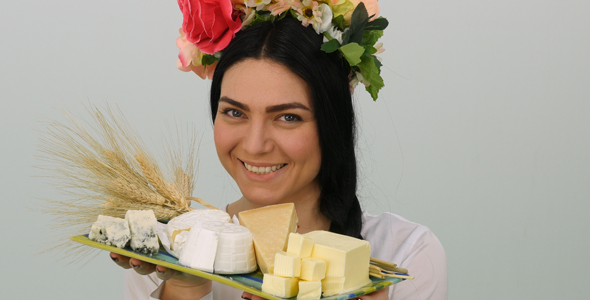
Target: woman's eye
(290,118)
(233,113)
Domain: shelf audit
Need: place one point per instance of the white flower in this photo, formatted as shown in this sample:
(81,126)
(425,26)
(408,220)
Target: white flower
(326,17)
(335,33)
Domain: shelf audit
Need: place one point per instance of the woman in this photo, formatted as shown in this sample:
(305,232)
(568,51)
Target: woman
(284,130)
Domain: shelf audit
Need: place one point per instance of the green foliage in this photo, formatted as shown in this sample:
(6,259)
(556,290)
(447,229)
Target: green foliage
(371,37)
(340,22)
(208,59)
(358,21)
(378,24)
(371,73)
(330,46)
(352,52)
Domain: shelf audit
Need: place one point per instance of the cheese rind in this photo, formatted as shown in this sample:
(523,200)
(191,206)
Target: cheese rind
(312,269)
(309,290)
(280,286)
(110,231)
(347,260)
(142,224)
(178,228)
(270,227)
(300,245)
(287,265)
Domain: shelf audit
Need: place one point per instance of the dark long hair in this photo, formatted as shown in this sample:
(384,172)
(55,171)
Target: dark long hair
(298,48)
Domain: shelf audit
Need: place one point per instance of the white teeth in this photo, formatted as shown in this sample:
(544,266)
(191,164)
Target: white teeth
(263,170)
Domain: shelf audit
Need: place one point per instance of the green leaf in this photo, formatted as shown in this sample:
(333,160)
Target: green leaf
(208,60)
(340,22)
(260,17)
(330,46)
(358,21)
(377,24)
(352,52)
(372,75)
(371,37)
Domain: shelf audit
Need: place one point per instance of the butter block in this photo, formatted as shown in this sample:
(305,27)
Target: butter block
(142,224)
(299,245)
(332,286)
(309,290)
(110,231)
(312,269)
(179,226)
(280,286)
(347,261)
(287,265)
(270,227)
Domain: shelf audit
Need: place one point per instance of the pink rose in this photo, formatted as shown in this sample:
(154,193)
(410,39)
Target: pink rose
(209,24)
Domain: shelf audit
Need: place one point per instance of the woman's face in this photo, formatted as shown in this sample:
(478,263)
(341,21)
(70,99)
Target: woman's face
(266,133)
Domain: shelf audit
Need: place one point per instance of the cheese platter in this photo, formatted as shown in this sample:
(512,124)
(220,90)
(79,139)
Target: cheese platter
(249,282)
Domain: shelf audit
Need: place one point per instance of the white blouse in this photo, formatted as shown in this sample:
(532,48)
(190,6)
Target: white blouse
(411,246)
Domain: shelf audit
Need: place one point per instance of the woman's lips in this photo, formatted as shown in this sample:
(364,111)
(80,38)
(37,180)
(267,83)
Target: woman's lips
(262,170)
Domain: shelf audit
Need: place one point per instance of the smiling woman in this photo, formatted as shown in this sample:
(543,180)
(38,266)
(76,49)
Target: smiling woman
(284,130)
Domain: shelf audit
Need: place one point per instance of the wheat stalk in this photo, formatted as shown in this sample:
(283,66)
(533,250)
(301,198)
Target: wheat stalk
(103,167)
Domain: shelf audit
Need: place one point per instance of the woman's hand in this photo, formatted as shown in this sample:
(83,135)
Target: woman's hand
(178,285)
(382,294)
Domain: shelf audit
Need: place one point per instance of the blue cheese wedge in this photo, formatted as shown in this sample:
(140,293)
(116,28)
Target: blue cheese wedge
(110,231)
(142,224)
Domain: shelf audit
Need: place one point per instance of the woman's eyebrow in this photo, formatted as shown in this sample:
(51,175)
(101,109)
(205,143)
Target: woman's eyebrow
(281,107)
(235,103)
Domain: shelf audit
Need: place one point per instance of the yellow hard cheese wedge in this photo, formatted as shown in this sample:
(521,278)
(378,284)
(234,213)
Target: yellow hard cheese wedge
(280,286)
(347,261)
(270,227)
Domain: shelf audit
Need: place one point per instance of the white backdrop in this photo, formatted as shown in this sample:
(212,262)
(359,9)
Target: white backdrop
(482,132)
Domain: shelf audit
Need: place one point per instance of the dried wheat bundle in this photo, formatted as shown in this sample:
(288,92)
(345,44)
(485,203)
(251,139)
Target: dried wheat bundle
(104,168)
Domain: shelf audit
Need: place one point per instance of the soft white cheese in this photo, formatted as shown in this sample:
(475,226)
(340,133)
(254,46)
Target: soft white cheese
(219,247)
(142,224)
(178,228)
(110,231)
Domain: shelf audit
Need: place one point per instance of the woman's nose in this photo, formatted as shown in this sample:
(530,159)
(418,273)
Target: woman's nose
(257,139)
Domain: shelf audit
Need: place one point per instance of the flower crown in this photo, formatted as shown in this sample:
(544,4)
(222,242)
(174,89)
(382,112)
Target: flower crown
(348,26)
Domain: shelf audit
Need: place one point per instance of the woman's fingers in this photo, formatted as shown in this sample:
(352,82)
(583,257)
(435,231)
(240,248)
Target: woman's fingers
(164,273)
(122,261)
(246,295)
(142,267)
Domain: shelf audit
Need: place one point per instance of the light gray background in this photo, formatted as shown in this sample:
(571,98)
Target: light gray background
(482,132)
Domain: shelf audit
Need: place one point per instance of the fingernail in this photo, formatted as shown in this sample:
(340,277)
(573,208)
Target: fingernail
(134,266)
(115,259)
(246,298)
(159,272)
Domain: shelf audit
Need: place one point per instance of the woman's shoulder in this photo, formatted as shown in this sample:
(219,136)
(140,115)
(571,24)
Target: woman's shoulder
(395,238)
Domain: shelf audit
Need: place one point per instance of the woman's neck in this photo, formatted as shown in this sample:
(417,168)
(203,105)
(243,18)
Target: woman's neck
(308,213)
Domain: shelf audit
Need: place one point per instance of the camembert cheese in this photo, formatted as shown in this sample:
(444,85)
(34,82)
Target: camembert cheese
(178,228)
(270,227)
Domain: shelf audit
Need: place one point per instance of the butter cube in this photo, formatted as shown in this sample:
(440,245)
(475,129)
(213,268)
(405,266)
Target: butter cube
(280,286)
(287,265)
(346,257)
(309,290)
(332,286)
(299,245)
(312,269)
